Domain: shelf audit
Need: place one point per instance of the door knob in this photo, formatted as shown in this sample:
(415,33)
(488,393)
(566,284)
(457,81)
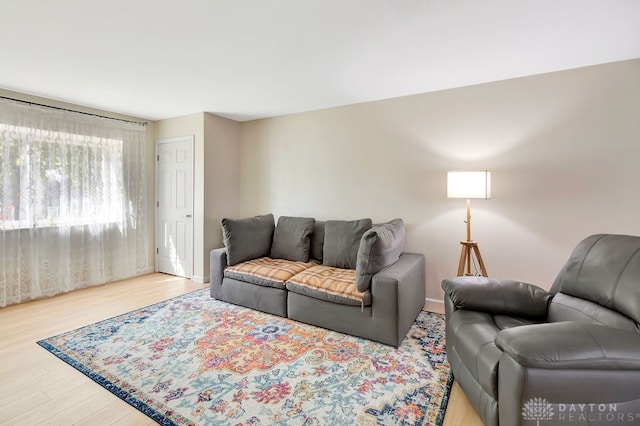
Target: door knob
(187,215)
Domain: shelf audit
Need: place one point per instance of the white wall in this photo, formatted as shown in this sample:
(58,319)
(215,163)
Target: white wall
(563,148)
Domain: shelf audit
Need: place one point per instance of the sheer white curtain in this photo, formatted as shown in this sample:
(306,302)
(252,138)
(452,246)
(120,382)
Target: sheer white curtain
(72,201)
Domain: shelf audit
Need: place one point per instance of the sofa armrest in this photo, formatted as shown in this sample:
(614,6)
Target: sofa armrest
(571,345)
(218,261)
(408,272)
(398,291)
(497,296)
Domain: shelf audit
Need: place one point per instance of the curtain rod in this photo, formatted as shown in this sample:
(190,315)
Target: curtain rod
(145,123)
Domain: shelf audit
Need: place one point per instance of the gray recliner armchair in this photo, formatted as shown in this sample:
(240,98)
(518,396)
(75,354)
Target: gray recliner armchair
(570,356)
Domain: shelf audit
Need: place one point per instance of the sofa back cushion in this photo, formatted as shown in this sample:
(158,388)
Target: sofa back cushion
(379,247)
(317,241)
(564,307)
(604,269)
(341,242)
(291,238)
(247,239)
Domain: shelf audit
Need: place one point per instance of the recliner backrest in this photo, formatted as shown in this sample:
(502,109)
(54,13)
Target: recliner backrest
(603,269)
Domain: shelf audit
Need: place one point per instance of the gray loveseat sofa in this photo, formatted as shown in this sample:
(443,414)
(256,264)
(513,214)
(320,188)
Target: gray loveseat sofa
(525,356)
(348,276)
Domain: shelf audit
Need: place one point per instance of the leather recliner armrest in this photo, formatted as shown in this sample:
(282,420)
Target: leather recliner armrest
(497,296)
(571,345)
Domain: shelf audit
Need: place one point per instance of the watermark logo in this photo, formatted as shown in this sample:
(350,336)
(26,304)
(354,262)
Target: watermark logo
(537,409)
(558,413)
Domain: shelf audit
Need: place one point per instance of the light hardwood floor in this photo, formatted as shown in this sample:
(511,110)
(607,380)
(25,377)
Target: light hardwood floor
(38,388)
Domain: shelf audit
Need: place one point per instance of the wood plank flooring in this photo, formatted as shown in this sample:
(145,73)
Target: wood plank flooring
(36,388)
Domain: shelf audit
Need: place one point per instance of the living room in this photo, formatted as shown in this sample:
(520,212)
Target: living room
(555,120)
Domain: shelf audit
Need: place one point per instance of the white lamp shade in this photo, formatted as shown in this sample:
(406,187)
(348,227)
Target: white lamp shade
(469,184)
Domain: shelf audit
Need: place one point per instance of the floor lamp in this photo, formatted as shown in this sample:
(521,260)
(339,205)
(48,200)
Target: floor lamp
(469,184)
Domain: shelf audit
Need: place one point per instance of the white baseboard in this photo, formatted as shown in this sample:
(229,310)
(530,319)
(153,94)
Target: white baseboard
(433,305)
(434,301)
(200,279)
(144,271)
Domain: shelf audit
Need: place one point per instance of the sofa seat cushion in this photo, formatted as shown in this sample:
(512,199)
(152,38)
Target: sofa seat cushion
(507,321)
(328,283)
(266,271)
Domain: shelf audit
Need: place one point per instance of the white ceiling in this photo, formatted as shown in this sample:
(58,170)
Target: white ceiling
(247,59)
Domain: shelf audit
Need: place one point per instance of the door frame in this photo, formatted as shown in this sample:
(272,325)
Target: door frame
(158,231)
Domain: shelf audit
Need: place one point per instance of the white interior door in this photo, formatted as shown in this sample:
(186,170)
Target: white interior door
(174,206)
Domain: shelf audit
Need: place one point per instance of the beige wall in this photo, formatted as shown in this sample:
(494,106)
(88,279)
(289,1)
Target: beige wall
(563,147)
(191,125)
(216,178)
(221,177)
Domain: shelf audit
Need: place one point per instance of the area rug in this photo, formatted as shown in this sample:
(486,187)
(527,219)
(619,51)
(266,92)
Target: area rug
(193,360)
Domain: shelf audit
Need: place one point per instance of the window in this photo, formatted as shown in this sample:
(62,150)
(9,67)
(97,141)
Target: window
(51,178)
(73,203)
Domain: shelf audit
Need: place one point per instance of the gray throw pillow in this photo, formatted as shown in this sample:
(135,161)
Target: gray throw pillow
(379,247)
(291,239)
(317,240)
(247,239)
(341,242)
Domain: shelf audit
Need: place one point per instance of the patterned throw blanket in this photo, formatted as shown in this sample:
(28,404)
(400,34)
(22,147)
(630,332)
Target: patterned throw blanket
(278,270)
(340,283)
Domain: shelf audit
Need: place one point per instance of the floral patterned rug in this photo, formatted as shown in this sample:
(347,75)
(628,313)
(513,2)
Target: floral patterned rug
(193,360)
